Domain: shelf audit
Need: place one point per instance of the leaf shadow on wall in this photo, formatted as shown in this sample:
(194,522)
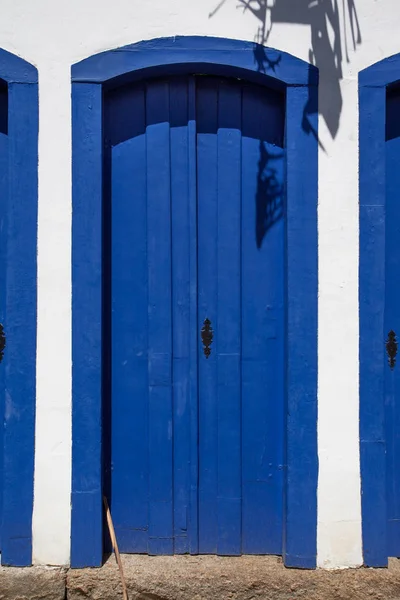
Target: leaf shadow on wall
(326,51)
(327,23)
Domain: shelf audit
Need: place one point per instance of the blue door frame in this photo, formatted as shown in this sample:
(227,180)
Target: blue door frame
(18,218)
(373,84)
(185,55)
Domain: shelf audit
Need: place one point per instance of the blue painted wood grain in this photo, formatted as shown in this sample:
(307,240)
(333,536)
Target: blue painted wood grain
(207,199)
(178,163)
(18,220)
(223,57)
(240,190)
(160,319)
(372,126)
(302,325)
(21,300)
(228,323)
(392,320)
(381,74)
(193,323)
(181,249)
(87,189)
(217,56)
(3,266)
(14,69)
(219,121)
(129,414)
(151,291)
(263,320)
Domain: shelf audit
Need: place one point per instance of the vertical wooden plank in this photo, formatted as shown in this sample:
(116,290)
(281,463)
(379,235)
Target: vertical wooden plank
(193,344)
(87,190)
(21,302)
(179,135)
(207,173)
(228,324)
(263,327)
(3,259)
(302,318)
(129,422)
(372,101)
(159,315)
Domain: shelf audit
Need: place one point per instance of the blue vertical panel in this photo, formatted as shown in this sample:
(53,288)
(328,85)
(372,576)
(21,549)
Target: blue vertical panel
(302,319)
(181,251)
(263,326)
(159,319)
(87,503)
(138,469)
(21,300)
(379,101)
(392,319)
(227,327)
(125,133)
(241,290)
(372,102)
(193,344)
(3,255)
(207,173)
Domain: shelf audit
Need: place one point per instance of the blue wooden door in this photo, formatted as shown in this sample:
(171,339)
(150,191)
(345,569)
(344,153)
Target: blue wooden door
(194,252)
(392,321)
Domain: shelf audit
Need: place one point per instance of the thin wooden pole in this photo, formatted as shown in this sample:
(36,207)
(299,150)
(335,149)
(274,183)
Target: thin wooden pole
(115,548)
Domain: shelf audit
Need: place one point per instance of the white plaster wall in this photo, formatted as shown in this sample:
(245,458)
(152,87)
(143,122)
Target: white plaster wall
(52,35)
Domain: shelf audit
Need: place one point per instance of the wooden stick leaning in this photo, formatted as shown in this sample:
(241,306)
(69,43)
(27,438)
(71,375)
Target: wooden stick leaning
(115,548)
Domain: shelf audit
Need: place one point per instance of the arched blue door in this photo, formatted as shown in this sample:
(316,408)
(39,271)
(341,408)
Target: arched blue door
(194,235)
(179,207)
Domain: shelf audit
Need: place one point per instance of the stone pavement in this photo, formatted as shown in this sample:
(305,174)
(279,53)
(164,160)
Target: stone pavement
(200,578)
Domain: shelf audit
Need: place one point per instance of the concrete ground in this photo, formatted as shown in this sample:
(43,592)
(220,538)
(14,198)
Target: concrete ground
(200,578)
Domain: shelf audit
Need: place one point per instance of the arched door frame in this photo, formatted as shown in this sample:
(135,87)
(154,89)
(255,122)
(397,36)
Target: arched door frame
(265,66)
(373,83)
(19,250)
